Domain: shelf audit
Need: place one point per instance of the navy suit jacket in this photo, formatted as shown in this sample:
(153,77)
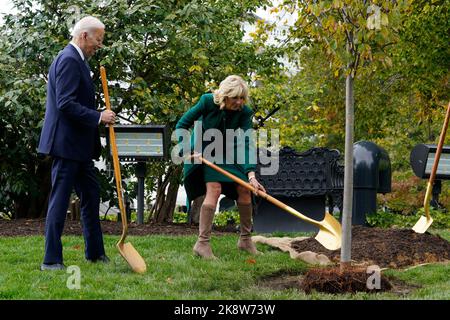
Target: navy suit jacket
(70,127)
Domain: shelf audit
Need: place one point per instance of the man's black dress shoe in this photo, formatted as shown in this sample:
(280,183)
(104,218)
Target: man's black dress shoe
(52,266)
(102,258)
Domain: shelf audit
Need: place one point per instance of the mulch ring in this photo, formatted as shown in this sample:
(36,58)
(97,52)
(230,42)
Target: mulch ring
(332,280)
(25,227)
(385,248)
(352,280)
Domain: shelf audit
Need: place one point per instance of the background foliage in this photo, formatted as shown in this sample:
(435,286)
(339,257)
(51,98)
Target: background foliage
(160,56)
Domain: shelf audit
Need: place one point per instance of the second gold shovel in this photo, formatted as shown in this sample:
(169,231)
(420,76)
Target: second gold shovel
(128,252)
(425,221)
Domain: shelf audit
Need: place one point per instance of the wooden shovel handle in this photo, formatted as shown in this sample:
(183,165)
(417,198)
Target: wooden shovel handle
(440,145)
(436,159)
(116,163)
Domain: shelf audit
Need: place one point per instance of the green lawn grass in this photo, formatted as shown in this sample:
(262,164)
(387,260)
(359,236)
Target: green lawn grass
(173,272)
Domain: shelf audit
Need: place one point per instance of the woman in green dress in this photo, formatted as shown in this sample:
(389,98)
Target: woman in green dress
(222,110)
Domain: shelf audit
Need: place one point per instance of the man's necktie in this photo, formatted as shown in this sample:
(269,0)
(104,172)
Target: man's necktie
(87,66)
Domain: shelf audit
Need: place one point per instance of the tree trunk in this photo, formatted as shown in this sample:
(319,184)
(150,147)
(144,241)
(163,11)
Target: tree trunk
(74,207)
(162,210)
(348,176)
(195,209)
(165,214)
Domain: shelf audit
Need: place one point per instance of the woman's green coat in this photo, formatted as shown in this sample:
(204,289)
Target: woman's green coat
(209,116)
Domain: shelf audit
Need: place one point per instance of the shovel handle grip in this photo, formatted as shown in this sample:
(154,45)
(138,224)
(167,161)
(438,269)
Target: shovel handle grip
(436,162)
(260,193)
(115,156)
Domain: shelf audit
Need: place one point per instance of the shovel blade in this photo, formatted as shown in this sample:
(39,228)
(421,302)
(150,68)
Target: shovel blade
(330,233)
(134,259)
(423,224)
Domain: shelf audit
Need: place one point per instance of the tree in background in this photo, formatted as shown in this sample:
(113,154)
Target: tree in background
(393,108)
(160,56)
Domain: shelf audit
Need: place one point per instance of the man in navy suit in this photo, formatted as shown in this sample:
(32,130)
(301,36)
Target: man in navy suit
(70,135)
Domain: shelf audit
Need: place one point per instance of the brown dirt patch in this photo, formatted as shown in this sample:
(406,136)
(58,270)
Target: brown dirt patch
(332,280)
(281,280)
(387,248)
(25,227)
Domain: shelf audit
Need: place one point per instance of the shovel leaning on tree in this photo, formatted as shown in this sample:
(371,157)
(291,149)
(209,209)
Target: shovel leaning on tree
(127,250)
(425,221)
(330,232)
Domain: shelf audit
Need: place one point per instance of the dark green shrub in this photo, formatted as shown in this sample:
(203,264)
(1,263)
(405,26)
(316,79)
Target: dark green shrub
(386,219)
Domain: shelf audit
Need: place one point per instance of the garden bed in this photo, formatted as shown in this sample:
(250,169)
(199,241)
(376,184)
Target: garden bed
(387,248)
(25,227)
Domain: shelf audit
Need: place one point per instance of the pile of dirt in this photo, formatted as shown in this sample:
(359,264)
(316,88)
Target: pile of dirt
(332,280)
(387,248)
(25,227)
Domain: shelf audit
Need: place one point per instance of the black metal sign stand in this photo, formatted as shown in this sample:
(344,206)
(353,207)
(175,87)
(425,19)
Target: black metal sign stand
(141,170)
(139,144)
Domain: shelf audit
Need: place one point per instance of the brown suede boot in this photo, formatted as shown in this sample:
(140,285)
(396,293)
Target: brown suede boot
(245,240)
(202,247)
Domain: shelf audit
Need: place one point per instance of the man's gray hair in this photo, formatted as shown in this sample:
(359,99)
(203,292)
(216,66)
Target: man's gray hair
(87,24)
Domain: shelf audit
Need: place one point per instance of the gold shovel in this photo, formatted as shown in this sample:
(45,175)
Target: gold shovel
(330,232)
(425,221)
(127,250)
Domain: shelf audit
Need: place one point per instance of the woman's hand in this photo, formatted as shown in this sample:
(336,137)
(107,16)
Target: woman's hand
(256,185)
(194,157)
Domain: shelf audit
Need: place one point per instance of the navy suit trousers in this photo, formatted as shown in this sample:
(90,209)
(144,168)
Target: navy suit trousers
(66,175)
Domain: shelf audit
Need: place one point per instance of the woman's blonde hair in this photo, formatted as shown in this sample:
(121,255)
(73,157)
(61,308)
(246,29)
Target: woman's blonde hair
(232,86)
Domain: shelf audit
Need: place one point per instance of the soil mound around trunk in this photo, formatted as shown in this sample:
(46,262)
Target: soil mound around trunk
(349,281)
(387,248)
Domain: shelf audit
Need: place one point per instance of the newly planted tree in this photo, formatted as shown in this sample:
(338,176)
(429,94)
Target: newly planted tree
(352,34)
